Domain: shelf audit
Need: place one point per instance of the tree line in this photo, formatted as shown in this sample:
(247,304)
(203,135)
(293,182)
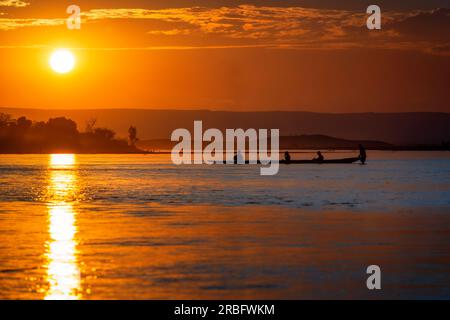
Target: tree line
(60,135)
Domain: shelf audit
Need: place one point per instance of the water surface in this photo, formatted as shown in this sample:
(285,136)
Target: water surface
(136,226)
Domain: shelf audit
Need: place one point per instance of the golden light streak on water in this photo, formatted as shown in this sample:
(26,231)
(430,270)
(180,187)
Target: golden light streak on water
(63,272)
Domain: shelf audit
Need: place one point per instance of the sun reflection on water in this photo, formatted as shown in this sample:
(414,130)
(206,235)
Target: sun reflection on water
(63,273)
(62,160)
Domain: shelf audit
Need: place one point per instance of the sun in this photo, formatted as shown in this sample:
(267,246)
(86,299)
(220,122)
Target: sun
(62,61)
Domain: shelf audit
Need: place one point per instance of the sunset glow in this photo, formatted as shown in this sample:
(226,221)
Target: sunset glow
(226,55)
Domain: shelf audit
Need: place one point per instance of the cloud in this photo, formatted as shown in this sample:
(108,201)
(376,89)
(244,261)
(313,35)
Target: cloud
(14,3)
(244,21)
(434,24)
(241,21)
(170,32)
(427,29)
(293,27)
(11,24)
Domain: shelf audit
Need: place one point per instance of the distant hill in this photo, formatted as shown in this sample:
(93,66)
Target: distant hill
(326,142)
(418,128)
(287,143)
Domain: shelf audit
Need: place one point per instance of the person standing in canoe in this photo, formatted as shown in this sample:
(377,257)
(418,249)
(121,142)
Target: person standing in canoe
(362,154)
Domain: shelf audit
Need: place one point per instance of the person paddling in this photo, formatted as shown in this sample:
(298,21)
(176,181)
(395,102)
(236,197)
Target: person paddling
(362,154)
(287,157)
(319,157)
(238,158)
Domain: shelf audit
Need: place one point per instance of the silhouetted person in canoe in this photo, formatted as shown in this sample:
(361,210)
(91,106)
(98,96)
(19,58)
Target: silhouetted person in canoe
(287,157)
(238,158)
(362,154)
(319,157)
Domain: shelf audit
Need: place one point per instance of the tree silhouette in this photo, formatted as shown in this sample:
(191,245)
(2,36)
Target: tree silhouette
(4,119)
(59,135)
(132,136)
(90,124)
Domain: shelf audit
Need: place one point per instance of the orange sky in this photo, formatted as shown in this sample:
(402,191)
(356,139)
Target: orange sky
(223,55)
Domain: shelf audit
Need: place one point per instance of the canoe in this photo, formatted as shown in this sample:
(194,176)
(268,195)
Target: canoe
(326,161)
